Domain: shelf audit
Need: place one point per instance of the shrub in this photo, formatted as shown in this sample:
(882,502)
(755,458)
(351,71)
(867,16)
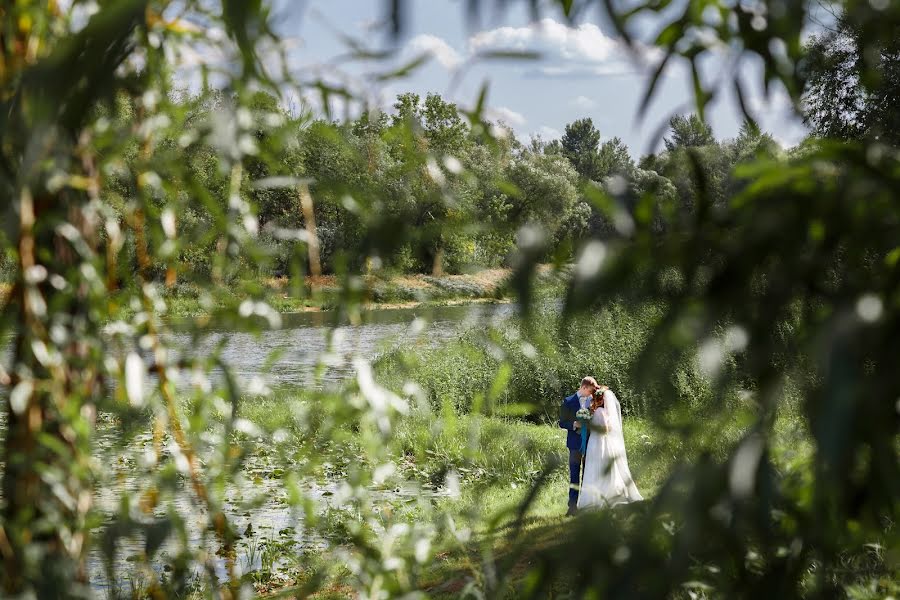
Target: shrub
(606,344)
(457,288)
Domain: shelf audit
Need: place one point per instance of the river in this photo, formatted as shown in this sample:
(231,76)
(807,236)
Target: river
(305,339)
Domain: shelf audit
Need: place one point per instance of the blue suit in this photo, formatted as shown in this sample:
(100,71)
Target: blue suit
(567,411)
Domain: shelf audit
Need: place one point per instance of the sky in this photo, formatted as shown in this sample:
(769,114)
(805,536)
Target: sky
(583,70)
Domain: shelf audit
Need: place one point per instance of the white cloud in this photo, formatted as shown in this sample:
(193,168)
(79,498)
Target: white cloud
(506,114)
(584,102)
(438,48)
(583,51)
(549,133)
(584,43)
(575,71)
(568,52)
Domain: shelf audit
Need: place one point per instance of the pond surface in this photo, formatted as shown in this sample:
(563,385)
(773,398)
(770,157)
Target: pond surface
(256,507)
(304,339)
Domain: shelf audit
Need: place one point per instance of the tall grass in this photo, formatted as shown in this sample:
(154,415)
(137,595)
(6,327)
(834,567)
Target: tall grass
(541,368)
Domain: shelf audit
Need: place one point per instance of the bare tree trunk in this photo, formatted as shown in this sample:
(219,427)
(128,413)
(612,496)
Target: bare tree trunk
(171,273)
(437,268)
(309,219)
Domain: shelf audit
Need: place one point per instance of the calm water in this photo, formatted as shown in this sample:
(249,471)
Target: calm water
(255,498)
(307,338)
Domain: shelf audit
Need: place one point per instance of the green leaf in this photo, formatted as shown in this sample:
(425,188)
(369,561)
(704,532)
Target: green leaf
(654,80)
(406,69)
(508,55)
(500,383)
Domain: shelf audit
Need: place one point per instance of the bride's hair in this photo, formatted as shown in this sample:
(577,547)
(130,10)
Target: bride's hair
(597,398)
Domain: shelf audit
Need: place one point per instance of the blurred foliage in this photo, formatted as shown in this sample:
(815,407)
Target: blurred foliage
(760,270)
(852,85)
(542,369)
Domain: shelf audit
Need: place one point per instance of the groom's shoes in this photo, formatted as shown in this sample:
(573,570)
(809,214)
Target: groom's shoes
(571,511)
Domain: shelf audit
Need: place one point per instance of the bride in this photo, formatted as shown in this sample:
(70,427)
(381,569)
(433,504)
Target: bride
(607,480)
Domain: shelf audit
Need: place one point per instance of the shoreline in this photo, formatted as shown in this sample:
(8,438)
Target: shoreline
(376,306)
(399,292)
(325,294)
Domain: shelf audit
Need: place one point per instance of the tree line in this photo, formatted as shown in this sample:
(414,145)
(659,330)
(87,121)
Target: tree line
(465,189)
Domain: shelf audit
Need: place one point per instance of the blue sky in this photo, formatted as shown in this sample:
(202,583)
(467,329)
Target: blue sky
(584,70)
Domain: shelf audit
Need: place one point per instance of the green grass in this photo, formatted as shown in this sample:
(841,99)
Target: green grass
(498,459)
(502,456)
(186,300)
(491,506)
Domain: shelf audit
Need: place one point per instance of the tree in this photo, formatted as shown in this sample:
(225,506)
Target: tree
(850,94)
(408,109)
(580,144)
(274,206)
(614,159)
(652,199)
(696,171)
(486,191)
(688,132)
(337,169)
(536,144)
(553,147)
(439,129)
(591,159)
(444,128)
(547,190)
(750,144)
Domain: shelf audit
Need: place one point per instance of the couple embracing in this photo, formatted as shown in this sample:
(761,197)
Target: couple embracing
(593,418)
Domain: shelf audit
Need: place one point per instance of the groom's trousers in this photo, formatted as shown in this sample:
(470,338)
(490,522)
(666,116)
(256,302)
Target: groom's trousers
(574,475)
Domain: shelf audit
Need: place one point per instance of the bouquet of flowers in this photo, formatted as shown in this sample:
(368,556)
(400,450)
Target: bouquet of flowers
(584,416)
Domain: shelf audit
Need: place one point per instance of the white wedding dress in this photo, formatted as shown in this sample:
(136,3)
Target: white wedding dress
(607,480)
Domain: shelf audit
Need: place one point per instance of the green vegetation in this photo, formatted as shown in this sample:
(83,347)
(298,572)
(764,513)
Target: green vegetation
(535,369)
(329,293)
(743,299)
(465,210)
(495,459)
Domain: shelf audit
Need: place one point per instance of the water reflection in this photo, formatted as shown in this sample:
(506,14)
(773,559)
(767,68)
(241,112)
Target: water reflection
(307,338)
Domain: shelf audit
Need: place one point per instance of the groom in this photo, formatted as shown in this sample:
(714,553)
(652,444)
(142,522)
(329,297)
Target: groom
(570,406)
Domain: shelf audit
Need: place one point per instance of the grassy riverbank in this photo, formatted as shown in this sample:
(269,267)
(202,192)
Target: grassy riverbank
(481,417)
(499,458)
(370,292)
(513,541)
(185,299)
(508,516)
